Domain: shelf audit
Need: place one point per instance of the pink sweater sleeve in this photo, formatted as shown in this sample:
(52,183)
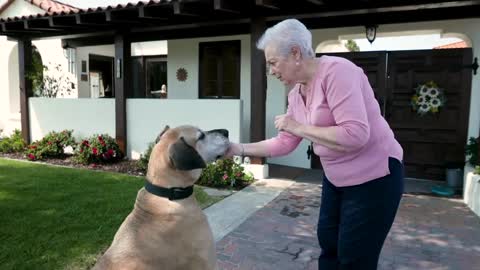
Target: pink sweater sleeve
(343,86)
(284,142)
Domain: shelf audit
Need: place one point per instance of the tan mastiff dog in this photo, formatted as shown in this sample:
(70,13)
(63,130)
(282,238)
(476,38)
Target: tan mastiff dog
(166,228)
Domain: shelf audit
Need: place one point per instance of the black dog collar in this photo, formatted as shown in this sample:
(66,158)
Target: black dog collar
(174,193)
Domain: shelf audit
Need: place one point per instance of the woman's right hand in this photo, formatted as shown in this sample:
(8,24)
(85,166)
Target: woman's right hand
(235,149)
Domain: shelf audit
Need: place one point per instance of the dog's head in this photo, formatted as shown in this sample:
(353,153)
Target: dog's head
(185,150)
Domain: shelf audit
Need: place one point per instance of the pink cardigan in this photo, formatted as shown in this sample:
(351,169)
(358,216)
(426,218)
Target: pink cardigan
(342,97)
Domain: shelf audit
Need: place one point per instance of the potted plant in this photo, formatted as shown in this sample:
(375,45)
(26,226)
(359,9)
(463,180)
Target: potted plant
(472,151)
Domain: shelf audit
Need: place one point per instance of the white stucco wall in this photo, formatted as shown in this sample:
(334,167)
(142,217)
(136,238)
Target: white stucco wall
(9,85)
(85,116)
(146,118)
(21,8)
(150,48)
(277,104)
(9,103)
(185,53)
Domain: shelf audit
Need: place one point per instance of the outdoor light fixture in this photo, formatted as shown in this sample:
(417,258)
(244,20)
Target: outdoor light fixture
(371,32)
(118,68)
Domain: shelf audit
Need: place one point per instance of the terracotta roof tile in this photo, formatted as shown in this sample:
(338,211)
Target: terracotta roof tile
(53,8)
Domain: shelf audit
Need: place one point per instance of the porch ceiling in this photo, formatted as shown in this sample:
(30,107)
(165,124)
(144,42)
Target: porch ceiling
(168,19)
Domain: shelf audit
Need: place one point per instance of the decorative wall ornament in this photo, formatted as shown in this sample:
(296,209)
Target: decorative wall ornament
(182,74)
(428,98)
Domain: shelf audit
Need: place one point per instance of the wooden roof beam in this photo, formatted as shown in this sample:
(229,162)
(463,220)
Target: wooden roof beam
(17,28)
(270,4)
(41,25)
(159,13)
(381,10)
(125,16)
(64,22)
(92,19)
(191,8)
(227,6)
(88,41)
(316,2)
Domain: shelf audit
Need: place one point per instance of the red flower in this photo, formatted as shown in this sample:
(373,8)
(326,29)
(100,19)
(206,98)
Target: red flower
(32,147)
(31,156)
(225,177)
(94,151)
(49,143)
(110,152)
(100,138)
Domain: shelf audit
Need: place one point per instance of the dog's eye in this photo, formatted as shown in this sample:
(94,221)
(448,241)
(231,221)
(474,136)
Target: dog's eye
(202,136)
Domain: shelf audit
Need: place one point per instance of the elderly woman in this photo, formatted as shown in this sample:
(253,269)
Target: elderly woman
(332,105)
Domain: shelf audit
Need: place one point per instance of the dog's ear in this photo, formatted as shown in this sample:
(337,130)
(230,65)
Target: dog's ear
(184,157)
(161,133)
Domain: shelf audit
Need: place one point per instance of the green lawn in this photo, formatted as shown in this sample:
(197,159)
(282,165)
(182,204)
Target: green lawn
(61,218)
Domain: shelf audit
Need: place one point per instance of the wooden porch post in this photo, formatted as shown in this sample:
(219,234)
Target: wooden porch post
(122,88)
(258,86)
(24,63)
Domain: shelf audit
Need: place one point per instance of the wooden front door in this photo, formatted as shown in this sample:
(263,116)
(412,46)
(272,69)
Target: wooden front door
(433,141)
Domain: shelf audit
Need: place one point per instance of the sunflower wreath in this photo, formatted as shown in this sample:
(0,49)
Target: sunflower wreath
(428,98)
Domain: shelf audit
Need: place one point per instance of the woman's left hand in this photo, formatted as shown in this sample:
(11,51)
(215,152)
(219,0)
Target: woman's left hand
(285,123)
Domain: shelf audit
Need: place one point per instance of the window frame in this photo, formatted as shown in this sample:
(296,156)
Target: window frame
(201,74)
(144,59)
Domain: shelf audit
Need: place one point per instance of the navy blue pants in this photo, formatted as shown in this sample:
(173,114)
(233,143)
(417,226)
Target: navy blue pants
(354,221)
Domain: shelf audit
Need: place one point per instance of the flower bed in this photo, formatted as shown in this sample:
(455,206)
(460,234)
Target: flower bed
(100,152)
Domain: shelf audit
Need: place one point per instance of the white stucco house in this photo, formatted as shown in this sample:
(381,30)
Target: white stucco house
(203,54)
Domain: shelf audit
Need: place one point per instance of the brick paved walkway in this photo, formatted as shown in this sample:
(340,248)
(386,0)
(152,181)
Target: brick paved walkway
(428,233)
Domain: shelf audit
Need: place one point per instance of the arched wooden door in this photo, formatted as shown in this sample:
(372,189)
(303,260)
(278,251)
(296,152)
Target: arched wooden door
(431,142)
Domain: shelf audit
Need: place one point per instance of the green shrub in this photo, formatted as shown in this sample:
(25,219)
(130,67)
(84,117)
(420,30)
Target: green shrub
(225,173)
(142,163)
(51,146)
(98,149)
(13,144)
(477,170)
(471,151)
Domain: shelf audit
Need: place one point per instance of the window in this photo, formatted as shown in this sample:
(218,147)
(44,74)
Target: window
(149,75)
(219,69)
(70,55)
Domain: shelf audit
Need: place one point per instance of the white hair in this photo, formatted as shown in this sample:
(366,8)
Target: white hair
(287,34)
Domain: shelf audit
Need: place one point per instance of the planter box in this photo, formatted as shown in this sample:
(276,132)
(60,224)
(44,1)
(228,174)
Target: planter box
(471,190)
(258,171)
